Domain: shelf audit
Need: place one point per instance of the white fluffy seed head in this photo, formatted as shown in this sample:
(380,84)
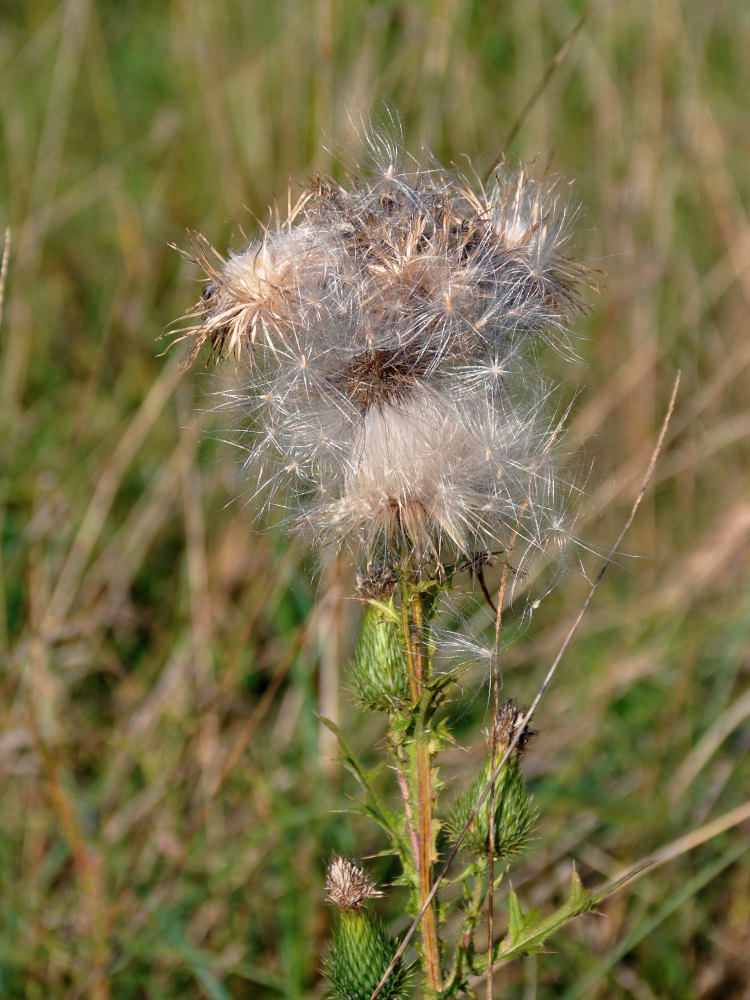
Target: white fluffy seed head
(391,394)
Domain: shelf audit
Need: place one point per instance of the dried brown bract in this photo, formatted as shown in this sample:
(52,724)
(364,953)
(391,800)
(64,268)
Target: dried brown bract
(378,582)
(508,726)
(347,885)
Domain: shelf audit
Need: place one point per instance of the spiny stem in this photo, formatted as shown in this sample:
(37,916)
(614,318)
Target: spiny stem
(414,687)
(425,862)
(404,788)
(421,660)
(418,664)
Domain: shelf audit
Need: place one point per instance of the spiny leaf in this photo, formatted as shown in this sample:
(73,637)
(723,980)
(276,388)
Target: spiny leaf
(374,806)
(614,886)
(386,609)
(528,932)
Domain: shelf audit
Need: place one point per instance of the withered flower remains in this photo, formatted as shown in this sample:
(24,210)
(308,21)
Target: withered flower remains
(348,887)
(389,326)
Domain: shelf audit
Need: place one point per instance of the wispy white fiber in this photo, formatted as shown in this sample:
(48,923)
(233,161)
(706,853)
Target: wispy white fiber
(392,394)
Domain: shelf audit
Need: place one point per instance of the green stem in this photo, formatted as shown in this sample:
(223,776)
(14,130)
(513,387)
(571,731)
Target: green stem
(426,836)
(406,638)
(418,664)
(473,902)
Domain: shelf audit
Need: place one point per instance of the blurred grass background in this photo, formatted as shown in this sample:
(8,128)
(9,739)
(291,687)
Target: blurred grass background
(168,797)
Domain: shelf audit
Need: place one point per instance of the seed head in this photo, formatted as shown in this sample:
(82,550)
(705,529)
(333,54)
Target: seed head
(389,326)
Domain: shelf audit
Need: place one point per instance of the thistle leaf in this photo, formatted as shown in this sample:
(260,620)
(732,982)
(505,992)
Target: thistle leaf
(527,933)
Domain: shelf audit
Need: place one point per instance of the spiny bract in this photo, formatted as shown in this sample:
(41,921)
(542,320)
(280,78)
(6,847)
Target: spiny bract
(392,394)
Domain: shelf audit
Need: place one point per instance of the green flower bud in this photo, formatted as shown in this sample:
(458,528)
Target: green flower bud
(361,950)
(515,814)
(379,676)
(360,953)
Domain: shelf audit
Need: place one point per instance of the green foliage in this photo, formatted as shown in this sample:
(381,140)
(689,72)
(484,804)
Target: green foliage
(528,932)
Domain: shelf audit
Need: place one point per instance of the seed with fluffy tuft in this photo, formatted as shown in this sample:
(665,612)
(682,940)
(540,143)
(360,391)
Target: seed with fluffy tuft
(392,393)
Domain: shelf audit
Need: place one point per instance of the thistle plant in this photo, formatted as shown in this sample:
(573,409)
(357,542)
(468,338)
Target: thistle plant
(389,331)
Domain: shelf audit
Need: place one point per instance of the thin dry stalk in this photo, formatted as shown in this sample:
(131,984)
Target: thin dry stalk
(524,113)
(543,687)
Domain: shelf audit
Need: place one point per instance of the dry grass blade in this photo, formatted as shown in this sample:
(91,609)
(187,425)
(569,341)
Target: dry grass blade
(688,842)
(559,57)
(4,269)
(3,279)
(101,502)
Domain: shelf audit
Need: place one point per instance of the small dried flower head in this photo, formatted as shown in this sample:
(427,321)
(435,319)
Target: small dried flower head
(392,392)
(513,808)
(508,724)
(347,885)
(377,582)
